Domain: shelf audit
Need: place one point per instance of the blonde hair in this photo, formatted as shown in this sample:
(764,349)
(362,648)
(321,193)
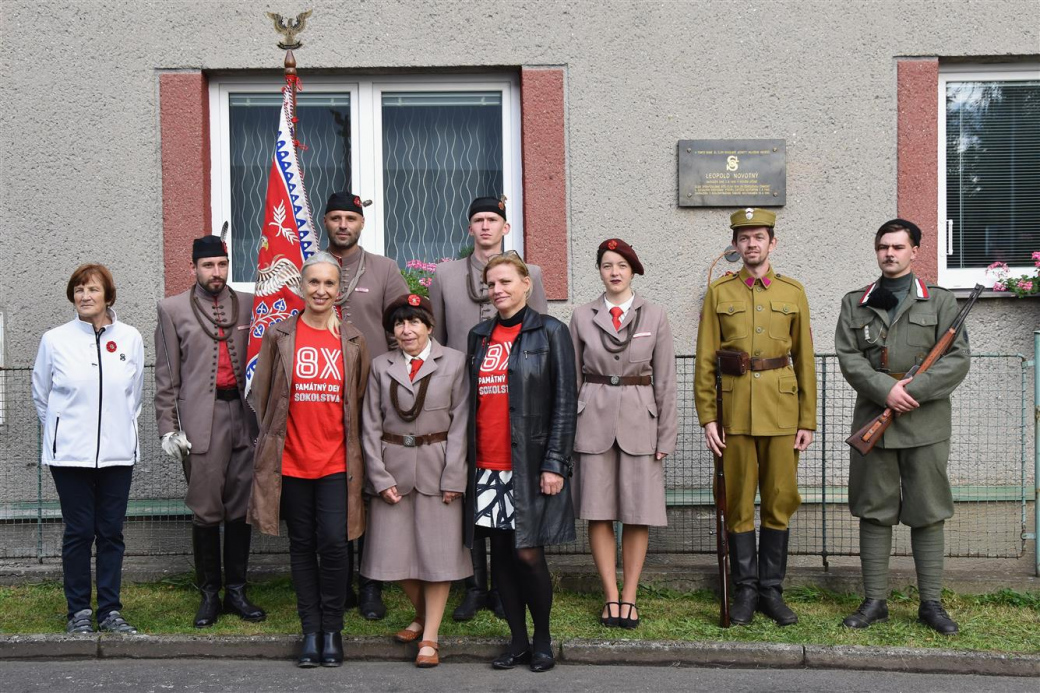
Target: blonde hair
(510,257)
(323,257)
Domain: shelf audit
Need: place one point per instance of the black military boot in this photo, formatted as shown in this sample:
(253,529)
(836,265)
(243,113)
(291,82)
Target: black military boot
(476,597)
(743,569)
(370,592)
(206,543)
(869,612)
(772,567)
(237,537)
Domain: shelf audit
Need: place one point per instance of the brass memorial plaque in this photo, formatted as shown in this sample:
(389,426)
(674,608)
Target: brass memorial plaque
(732,173)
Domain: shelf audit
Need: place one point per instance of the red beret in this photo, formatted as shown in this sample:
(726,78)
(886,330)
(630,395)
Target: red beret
(623,249)
(413,301)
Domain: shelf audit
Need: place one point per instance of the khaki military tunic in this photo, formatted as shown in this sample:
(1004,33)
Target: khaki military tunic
(762,410)
(904,478)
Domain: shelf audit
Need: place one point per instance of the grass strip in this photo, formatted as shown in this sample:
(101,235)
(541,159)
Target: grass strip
(1003,621)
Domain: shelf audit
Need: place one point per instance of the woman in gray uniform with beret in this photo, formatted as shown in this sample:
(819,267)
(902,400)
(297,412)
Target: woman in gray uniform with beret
(626,423)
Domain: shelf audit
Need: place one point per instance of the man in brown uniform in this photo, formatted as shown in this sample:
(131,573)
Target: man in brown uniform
(769,409)
(368,284)
(460,302)
(205,425)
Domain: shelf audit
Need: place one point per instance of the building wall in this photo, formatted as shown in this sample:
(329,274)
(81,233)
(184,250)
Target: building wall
(82,153)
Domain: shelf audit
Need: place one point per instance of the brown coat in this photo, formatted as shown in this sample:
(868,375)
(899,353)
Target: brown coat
(188,378)
(455,313)
(272,384)
(428,469)
(642,419)
(378,287)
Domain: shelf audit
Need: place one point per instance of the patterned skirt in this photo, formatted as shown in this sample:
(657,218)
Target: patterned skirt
(494,500)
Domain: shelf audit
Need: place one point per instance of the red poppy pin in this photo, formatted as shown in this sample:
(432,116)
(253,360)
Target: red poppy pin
(612,244)
(413,300)
(357,201)
(111,346)
(501,205)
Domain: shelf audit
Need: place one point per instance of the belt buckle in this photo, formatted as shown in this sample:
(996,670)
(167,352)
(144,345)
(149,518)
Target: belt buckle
(409,441)
(615,380)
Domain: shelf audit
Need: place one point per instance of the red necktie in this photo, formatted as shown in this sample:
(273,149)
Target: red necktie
(416,365)
(615,313)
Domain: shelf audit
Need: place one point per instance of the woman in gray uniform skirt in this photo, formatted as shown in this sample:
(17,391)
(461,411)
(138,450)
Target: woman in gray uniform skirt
(415,418)
(626,423)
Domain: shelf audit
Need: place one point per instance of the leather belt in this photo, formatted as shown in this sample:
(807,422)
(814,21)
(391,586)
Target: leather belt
(227,394)
(760,364)
(415,441)
(618,379)
(897,376)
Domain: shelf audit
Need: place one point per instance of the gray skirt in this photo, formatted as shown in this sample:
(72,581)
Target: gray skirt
(419,538)
(620,487)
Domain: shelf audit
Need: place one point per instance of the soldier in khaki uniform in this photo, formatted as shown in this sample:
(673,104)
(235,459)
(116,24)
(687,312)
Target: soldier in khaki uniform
(883,331)
(368,285)
(460,302)
(769,412)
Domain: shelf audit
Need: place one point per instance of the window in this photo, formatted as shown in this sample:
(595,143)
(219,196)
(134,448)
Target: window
(989,163)
(421,148)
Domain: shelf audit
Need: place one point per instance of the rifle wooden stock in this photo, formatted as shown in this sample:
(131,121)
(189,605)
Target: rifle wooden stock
(719,490)
(864,440)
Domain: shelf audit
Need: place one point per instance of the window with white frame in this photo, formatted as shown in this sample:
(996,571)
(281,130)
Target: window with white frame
(989,164)
(420,147)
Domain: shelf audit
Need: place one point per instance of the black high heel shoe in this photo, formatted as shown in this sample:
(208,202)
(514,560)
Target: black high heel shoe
(310,651)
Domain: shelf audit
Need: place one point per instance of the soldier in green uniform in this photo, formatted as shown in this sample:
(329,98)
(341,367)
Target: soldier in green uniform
(882,332)
(769,412)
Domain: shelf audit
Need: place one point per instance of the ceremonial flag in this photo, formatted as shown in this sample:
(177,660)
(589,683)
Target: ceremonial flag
(287,238)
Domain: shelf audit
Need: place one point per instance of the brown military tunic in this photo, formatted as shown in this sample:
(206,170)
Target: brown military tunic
(368,284)
(221,432)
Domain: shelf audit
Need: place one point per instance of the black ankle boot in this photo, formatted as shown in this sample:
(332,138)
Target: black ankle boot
(476,596)
(743,567)
(772,568)
(205,543)
(332,649)
(237,538)
(870,611)
(310,651)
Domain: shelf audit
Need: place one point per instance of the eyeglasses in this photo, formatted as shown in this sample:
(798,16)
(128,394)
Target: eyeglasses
(509,254)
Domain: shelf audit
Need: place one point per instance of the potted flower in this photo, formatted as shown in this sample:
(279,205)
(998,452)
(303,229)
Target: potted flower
(1025,285)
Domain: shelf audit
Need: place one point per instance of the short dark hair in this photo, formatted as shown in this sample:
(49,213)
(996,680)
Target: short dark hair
(745,228)
(895,225)
(84,273)
(406,312)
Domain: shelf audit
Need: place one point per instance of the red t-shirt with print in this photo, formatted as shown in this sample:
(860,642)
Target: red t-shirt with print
(493,432)
(315,444)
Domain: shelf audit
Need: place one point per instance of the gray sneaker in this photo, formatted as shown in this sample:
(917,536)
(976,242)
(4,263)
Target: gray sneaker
(115,623)
(80,622)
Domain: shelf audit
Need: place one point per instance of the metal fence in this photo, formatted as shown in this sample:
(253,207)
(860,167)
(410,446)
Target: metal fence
(992,482)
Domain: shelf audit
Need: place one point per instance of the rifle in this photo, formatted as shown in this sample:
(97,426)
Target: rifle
(721,538)
(864,440)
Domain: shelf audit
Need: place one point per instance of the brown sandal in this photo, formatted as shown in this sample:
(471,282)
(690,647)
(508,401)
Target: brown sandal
(424,661)
(406,636)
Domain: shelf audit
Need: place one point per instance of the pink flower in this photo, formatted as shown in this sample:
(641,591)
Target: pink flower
(1026,285)
(1036,258)
(413,264)
(426,281)
(999,286)
(998,267)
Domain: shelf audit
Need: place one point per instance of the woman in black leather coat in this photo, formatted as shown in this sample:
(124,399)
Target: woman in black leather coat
(521,436)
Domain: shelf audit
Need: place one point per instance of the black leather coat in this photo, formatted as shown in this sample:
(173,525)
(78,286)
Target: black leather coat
(543,406)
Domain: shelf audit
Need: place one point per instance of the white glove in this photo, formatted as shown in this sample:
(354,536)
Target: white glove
(176,445)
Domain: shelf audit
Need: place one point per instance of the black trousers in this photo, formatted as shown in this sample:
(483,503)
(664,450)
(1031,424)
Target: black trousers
(315,513)
(93,506)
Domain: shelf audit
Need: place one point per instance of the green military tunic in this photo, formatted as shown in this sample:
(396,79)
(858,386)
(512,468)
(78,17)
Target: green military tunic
(762,410)
(904,477)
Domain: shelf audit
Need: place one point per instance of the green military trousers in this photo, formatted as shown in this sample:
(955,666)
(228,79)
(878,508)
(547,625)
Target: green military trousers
(769,465)
(907,485)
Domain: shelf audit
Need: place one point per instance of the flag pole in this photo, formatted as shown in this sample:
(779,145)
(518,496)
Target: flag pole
(291,81)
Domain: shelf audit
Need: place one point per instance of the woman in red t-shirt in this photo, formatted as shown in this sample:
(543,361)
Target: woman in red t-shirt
(523,408)
(309,439)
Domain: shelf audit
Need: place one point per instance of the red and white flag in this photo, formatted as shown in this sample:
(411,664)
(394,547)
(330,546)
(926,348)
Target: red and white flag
(287,238)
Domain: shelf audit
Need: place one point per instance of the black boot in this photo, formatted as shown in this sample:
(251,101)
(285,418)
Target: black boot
(206,543)
(476,597)
(772,567)
(869,612)
(743,568)
(310,651)
(332,649)
(370,592)
(237,537)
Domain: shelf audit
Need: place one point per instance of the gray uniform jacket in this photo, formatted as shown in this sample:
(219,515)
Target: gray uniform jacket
(191,377)
(429,469)
(641,418)
(378,287)
(456,313)
(921,319)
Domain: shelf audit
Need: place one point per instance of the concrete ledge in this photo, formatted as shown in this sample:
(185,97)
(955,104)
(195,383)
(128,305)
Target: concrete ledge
(921,660)
(671,653)
(53,646)
(197,647)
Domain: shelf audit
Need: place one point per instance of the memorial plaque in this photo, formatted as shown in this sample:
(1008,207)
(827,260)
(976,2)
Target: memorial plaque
(732,173)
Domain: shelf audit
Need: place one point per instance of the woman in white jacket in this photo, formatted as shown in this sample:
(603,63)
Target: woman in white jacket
(87,385)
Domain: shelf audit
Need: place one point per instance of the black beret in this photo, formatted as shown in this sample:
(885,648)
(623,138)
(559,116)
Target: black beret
(420,303)
(487,204)
(208,246)
(900,225)
(623,249)
(346,202)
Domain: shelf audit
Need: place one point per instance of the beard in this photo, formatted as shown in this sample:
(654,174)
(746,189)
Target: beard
(214,285)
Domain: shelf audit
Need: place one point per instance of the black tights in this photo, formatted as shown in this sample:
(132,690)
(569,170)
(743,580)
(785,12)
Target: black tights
(522,578)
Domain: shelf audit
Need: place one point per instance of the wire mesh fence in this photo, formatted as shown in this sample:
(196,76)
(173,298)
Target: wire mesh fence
(988,470)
